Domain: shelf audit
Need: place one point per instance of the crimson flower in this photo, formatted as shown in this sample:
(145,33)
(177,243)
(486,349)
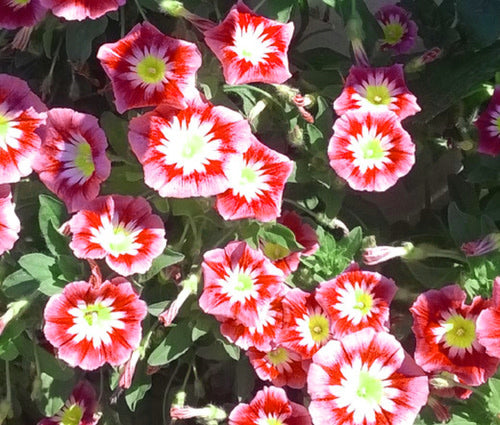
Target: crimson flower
(488,126)
(91,325)
(365,378)
(79,10)
(399,30)
(377,89)
(20,13)
(251,48)
(148,68)
(370,150)
(270,406)
(447,339)
(120,229)
(10,226)
(257,180)
(488,323)
(21,113)
(186,152)
(355,300)
(72,161)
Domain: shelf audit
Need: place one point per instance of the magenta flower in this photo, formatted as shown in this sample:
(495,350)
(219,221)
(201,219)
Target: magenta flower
(356,300)
(80,409)
(21,113)
(257,180)
(447,339)
(148,68)
(377,89)
(399,30)
(20,13)
(238,282)
(251,48)
(488,126)
(91,326)
(120,229)
(10,226)
(371,151)
(79,10)
(488,324)
(478,247)
(269,406)
(281,366)
(187,152)
(72,161)
(365,378)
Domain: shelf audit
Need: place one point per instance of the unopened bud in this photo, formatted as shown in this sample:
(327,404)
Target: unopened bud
(173,8)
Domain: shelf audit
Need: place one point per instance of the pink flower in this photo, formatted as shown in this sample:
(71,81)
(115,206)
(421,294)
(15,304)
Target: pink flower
(481,246)
(251,48)
(238,282)
(120,229)
(365,378)
(488,324)
(20,13)
(377,89)
(488,125)
(269,406)
(447,339)
(21,113)
(306,325)
(399,30)
(72,161)
(80,409)
(356,300)
(148,68)
(79,10)
(281,366)
(370,150)
(10,226)
(257,180)
(186,152)
(379,254)
(91,326)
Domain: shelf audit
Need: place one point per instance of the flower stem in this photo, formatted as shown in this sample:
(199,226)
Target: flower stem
(165,394)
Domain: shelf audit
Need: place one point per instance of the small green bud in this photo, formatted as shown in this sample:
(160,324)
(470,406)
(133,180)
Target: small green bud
(173,8)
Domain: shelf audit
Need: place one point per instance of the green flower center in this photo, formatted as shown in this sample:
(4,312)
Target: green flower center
(151,69)
(319,327)
(244,283)
(274,251)
(278,356)
(370,388)
(273,421)
(497,122)
(372,149)
(94,314)
(393,33)
(193,146)
(378,95)
(83,160)
(461,332)
(364,301)
(120,241)
(4,126)
(72,415)
(248,176)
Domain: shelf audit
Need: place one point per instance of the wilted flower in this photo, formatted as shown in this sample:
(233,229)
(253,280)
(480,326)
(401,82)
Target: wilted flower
(481,246)
(20,13)
(399,30)
(72,10)
(488,125)
(189,287)
(148,68)
(251,48)
(379,254)
(370,150)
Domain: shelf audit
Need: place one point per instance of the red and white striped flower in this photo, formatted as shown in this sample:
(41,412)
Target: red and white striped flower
(365,378)
(356,300)
(148,68)
(307,325)
(257,180)
(79,10)
(447,339)
(399,30)
(120,229)
(72,161)
(488,323)
(281,366)
(20,13)
(91,326)
(270,406)
(488,126)
(10,226)
(238,283)
(21,113)
(370,150)
(186,153)
(375,90)
(251,48)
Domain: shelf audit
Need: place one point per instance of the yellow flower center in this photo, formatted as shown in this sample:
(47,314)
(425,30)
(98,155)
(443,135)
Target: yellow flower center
(243,283)
(278,356)
(370,388)
(372,149)
(378,95)
(273,421)
(72,415)
(120,241)
(151,69)
(497,122)
(248,176)
(193,146)
(364,301)
(461,332)
(393,33)
(83,160)
(319,327)
(4,126)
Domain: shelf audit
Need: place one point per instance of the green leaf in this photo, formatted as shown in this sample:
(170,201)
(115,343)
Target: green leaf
(8,350)
(18,284)
(175,344)
(479,19)
(140,386)
(245,379)
(38,266)
(79,37)
(463,227)
(331,3)
(232,350)
(54,394)
(494,397)
(168,258)
(277,9)
(352,242)
(116,130)
(280,235)
(51,215)
(432,276)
